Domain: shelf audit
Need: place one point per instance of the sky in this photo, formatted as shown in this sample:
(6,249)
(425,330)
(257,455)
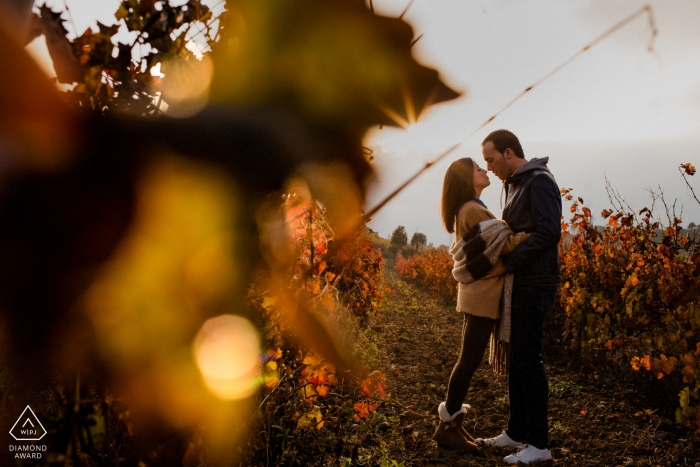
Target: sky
(618,111)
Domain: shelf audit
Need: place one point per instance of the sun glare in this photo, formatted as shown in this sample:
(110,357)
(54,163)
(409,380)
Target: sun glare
(227,352)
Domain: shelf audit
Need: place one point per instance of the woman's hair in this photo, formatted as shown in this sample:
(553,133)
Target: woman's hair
(457,189)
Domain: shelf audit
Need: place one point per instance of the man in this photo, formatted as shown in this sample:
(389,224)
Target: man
(533,205)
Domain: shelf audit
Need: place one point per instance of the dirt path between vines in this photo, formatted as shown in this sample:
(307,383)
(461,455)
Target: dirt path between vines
(589,426)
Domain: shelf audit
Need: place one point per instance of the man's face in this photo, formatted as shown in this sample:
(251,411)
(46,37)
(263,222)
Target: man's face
(495,161)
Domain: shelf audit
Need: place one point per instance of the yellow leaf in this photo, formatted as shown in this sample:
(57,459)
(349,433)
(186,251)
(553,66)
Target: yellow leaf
(271,380)
(304,421)
(269,302)
(312,418)
(311,359)
(316,412)
(684,397)
(310,394)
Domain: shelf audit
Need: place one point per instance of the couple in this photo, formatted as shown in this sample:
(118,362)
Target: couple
(507,281)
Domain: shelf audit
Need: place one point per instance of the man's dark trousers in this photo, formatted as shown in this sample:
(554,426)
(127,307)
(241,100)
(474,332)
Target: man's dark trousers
(527,383)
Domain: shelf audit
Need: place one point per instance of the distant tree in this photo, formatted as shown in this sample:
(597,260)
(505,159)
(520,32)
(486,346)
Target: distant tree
(399,236)
(418,240)
(692,226)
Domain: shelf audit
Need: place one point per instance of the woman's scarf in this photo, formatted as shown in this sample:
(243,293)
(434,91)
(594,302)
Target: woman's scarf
(474,255)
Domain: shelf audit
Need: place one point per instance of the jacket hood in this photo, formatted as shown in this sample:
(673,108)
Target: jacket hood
(536,163)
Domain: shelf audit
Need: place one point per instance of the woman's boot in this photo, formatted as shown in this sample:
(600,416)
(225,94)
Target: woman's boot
(449,432)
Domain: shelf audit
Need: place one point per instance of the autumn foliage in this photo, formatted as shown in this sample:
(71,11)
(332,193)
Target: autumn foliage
(631,288)
(304,395)
(356,272)
(172,211)
(432,269)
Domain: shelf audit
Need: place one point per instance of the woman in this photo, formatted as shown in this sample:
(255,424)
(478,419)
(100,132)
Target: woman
(480,240)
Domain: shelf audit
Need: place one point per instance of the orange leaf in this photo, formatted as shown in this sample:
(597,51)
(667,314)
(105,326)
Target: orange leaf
(635,363)
(668,364)
(320,267)
(318,377)
(310,395)
(381,387)
(365,390)
(363,409)
(274,353)
(372,383)
(311,359)
(271,380)
(332,381)
(688,169)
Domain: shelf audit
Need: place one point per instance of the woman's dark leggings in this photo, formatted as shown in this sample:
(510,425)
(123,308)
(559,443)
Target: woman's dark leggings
(475,335)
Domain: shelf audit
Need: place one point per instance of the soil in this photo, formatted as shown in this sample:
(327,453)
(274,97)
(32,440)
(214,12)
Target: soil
(590,424)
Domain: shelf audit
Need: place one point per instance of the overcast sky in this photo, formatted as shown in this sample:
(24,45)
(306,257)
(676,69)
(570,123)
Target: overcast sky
(618,111)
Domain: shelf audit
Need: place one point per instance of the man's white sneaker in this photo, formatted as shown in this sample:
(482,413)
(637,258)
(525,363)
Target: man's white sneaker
(502,441)
(529,454)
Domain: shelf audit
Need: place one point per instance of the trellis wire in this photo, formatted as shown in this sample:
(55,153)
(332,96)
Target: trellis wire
(652,24)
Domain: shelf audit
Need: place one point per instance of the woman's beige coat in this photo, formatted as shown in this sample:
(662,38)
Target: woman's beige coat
(482,297)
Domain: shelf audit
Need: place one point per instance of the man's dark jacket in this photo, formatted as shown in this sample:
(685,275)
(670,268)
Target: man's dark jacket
(533,205)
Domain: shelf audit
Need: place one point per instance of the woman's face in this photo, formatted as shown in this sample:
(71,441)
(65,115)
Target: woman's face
(481,178)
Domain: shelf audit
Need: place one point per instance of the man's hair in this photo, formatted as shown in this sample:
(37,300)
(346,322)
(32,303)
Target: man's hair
(504,139)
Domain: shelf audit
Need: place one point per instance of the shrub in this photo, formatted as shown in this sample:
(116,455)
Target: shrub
(432,269)
(631,289)
(356,270)
(304,400)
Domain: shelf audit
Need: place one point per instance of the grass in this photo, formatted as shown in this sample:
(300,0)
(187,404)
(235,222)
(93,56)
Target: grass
(501,402)
(360,339)
(562,389)
(559,428)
